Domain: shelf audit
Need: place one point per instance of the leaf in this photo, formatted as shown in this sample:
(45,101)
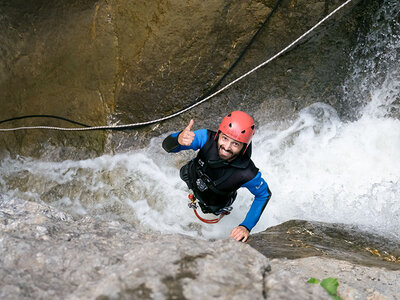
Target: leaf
(330,285)
(313,280)
(336,297)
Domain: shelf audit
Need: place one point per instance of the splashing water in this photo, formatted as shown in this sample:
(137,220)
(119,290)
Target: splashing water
(374,76)
(323,169)
(318,168)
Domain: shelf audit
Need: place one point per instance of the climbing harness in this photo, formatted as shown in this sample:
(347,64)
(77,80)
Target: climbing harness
(127,126)
(193,204)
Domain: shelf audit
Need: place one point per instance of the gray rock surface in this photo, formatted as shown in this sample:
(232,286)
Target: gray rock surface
(46,254)
(355,281)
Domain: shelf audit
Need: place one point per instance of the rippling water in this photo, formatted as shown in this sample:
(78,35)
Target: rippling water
(318,167)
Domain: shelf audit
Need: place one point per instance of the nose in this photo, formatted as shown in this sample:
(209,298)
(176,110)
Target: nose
(227,145)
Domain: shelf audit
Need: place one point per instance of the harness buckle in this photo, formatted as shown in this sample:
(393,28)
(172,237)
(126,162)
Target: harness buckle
(193,200)
(226,210)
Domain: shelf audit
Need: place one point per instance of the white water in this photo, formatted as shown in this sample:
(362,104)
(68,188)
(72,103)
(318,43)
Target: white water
(318,167)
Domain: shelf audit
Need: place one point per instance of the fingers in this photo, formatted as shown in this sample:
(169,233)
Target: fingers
(240,233)
(186,137)
(189,127)
(244,239)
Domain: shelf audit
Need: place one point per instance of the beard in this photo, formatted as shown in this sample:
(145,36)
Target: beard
(225,154)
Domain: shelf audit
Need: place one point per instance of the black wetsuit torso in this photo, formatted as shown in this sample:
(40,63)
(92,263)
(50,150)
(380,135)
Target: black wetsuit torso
(215,181)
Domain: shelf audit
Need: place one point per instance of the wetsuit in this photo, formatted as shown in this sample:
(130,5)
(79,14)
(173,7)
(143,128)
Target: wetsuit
(215,181)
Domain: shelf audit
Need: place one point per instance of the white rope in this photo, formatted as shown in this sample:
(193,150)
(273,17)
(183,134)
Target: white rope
(197,103)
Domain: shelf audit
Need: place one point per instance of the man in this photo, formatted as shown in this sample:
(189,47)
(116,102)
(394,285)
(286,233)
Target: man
(221,167)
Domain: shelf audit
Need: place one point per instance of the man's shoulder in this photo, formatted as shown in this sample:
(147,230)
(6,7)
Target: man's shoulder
(205,134)
(251,170)
(210,133)
(202,133)
(201,138)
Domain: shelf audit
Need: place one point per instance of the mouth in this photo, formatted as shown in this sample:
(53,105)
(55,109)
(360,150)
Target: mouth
(225,153)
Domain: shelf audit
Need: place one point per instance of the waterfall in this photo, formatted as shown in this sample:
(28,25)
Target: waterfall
(318,167)
(323,169)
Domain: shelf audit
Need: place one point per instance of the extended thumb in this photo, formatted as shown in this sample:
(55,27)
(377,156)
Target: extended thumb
(189,127)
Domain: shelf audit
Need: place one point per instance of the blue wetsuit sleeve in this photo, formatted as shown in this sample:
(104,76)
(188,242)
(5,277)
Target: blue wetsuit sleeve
(199,141)
(259,188)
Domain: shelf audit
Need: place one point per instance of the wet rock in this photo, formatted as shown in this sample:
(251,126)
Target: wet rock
(107,62)
(367,266)
(299,239)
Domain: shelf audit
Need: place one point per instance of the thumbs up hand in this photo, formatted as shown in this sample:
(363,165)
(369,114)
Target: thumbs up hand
(186,137)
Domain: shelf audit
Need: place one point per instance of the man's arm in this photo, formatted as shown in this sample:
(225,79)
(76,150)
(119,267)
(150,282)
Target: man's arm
(170,143)
(259,188)
(185,139)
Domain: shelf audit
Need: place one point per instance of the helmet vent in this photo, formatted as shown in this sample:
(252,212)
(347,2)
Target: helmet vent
(252,127)
(243,131)
(230,125)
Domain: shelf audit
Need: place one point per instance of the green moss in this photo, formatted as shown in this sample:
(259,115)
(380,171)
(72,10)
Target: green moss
(329,284)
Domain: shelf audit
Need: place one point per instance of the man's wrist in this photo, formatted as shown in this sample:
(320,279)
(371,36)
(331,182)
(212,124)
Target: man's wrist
(170,143)
(244,227)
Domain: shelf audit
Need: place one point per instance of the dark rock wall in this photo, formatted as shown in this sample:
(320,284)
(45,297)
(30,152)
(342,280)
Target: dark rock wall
(54,65)
(103,62)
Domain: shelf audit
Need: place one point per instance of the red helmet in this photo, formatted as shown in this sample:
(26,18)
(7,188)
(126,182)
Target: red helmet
(239,126)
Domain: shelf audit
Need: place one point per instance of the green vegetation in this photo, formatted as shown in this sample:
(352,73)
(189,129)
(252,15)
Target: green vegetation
(329,284)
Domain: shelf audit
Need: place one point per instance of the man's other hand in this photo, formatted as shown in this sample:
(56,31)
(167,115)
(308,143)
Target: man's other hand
(186,137)
(240,233)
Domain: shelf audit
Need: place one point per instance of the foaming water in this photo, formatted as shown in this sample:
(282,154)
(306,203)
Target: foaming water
(142,188)
(324,170)
(318,167)
(373,79)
